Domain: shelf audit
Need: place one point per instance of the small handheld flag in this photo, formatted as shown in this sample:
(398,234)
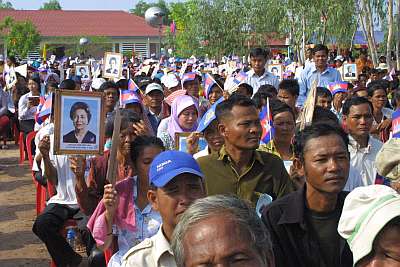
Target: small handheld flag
(132,85)
(44,108)
(266,124)
(128,96)
(240,77)
(208,83)
(396,124)
(190,76)
(338,87)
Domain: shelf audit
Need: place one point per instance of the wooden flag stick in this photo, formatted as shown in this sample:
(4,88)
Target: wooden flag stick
(112,160)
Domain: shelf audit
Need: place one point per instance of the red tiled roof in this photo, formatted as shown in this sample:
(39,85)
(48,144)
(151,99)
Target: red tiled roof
(83,23)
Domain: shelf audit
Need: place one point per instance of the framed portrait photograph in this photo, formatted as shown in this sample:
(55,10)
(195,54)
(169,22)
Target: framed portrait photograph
(112,65)
(83,71)
(78,123)
(181,142)
(276,70)
(350,72)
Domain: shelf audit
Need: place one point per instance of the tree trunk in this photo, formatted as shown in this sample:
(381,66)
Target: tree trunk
(367,27)
(303,39)
(371,33)
(390,34)
(398,36)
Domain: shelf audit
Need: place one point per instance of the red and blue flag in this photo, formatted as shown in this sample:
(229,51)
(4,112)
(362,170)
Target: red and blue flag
(132,85)
(44,108)
(208,83)
(190,76)
(128,96)
(396,124)
(338,87)
(266,124)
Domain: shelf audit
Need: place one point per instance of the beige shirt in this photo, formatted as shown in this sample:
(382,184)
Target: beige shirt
(151,252)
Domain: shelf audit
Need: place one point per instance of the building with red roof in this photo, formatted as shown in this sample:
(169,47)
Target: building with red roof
(124,31)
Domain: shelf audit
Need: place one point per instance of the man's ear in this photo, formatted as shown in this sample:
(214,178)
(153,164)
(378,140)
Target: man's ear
(298,166)
(344,120)
(153,199)
(222,129)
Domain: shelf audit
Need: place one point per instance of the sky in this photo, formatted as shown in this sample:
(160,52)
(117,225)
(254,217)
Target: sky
(79,4)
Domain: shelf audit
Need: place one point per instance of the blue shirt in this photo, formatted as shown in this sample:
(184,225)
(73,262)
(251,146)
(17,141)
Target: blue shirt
(256,81)
(310,74)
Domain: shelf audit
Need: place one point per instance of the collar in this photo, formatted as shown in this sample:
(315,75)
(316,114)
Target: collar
(354,145)
(314,69)
(223,155)
(253,74)
(161,245)
(272,149)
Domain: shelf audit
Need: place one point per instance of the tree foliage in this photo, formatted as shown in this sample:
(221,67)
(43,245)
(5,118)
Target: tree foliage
(21,37)
(51,5)
(5,5)
(141,7)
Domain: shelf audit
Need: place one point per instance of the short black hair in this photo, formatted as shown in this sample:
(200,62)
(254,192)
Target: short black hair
(324,115)
(68,84)
(317,130)
(258,51)
(127,117)
(377,85)
(278,106)
(291,86)
(51,84)
(143,141)
(260,98)
(107,85)
(122,84)
(80,105)
(320,47)
(267,88)
(224,109)
(323,92)
(248,87)
(354,101)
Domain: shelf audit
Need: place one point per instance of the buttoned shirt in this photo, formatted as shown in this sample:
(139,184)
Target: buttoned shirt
(363,159)
(265,174)
(310,74)
(256,81)
(152,252)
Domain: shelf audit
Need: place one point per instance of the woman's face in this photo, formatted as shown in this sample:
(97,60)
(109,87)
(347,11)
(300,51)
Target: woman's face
(215,94)
(379,99)
(188,117)
(33,86)
(143,162)
(127,136)
(80,119)
(284,125)
(212,136)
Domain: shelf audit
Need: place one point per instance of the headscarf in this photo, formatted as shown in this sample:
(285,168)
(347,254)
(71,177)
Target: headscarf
(178,105)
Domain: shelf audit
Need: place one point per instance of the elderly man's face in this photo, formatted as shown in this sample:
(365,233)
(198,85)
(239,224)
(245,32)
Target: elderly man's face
(219,241)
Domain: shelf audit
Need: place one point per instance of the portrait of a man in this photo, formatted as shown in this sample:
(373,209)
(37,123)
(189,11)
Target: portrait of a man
(83,73)
(349,72)
(80,115)
(112,65)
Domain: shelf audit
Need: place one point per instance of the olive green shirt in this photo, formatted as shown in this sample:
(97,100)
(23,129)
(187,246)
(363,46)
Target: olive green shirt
(266,174)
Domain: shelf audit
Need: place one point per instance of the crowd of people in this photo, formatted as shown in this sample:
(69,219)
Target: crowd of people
(326,191)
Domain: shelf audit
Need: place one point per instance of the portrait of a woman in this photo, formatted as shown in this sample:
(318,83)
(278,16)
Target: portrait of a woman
(80,116)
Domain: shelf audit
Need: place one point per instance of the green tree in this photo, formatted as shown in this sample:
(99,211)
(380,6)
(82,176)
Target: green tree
(5,5)
(141,7)
(51,5)
(20,37)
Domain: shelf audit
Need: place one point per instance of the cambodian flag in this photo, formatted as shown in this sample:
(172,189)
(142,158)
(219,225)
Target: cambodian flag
(396,124)
(44,108)
(132,85)
(240,77)
(266,124)
(338,87)
(128,96)
(208,83)
(190,76)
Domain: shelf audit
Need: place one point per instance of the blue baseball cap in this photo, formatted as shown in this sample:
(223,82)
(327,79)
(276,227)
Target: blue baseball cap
(169,164)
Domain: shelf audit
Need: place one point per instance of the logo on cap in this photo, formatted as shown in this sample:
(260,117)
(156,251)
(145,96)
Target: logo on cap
(162,164)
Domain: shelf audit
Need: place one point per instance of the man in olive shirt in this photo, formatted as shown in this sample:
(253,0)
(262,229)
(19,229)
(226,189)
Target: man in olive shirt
(239,168)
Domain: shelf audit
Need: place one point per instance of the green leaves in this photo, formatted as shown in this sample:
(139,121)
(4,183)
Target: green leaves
(20,36)
(51,5)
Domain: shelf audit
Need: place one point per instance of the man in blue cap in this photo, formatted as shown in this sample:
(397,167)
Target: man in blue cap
(176,181)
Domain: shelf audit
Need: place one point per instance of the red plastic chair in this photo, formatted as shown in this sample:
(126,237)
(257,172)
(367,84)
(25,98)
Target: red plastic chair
(108,254)
(29,139)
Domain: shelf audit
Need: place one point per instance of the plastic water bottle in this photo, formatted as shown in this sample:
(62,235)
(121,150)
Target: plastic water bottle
(71,238)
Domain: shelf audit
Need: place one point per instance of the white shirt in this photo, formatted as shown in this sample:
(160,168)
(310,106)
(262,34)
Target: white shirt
(363,159)
(256,81)
(354,180)
(25,113)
